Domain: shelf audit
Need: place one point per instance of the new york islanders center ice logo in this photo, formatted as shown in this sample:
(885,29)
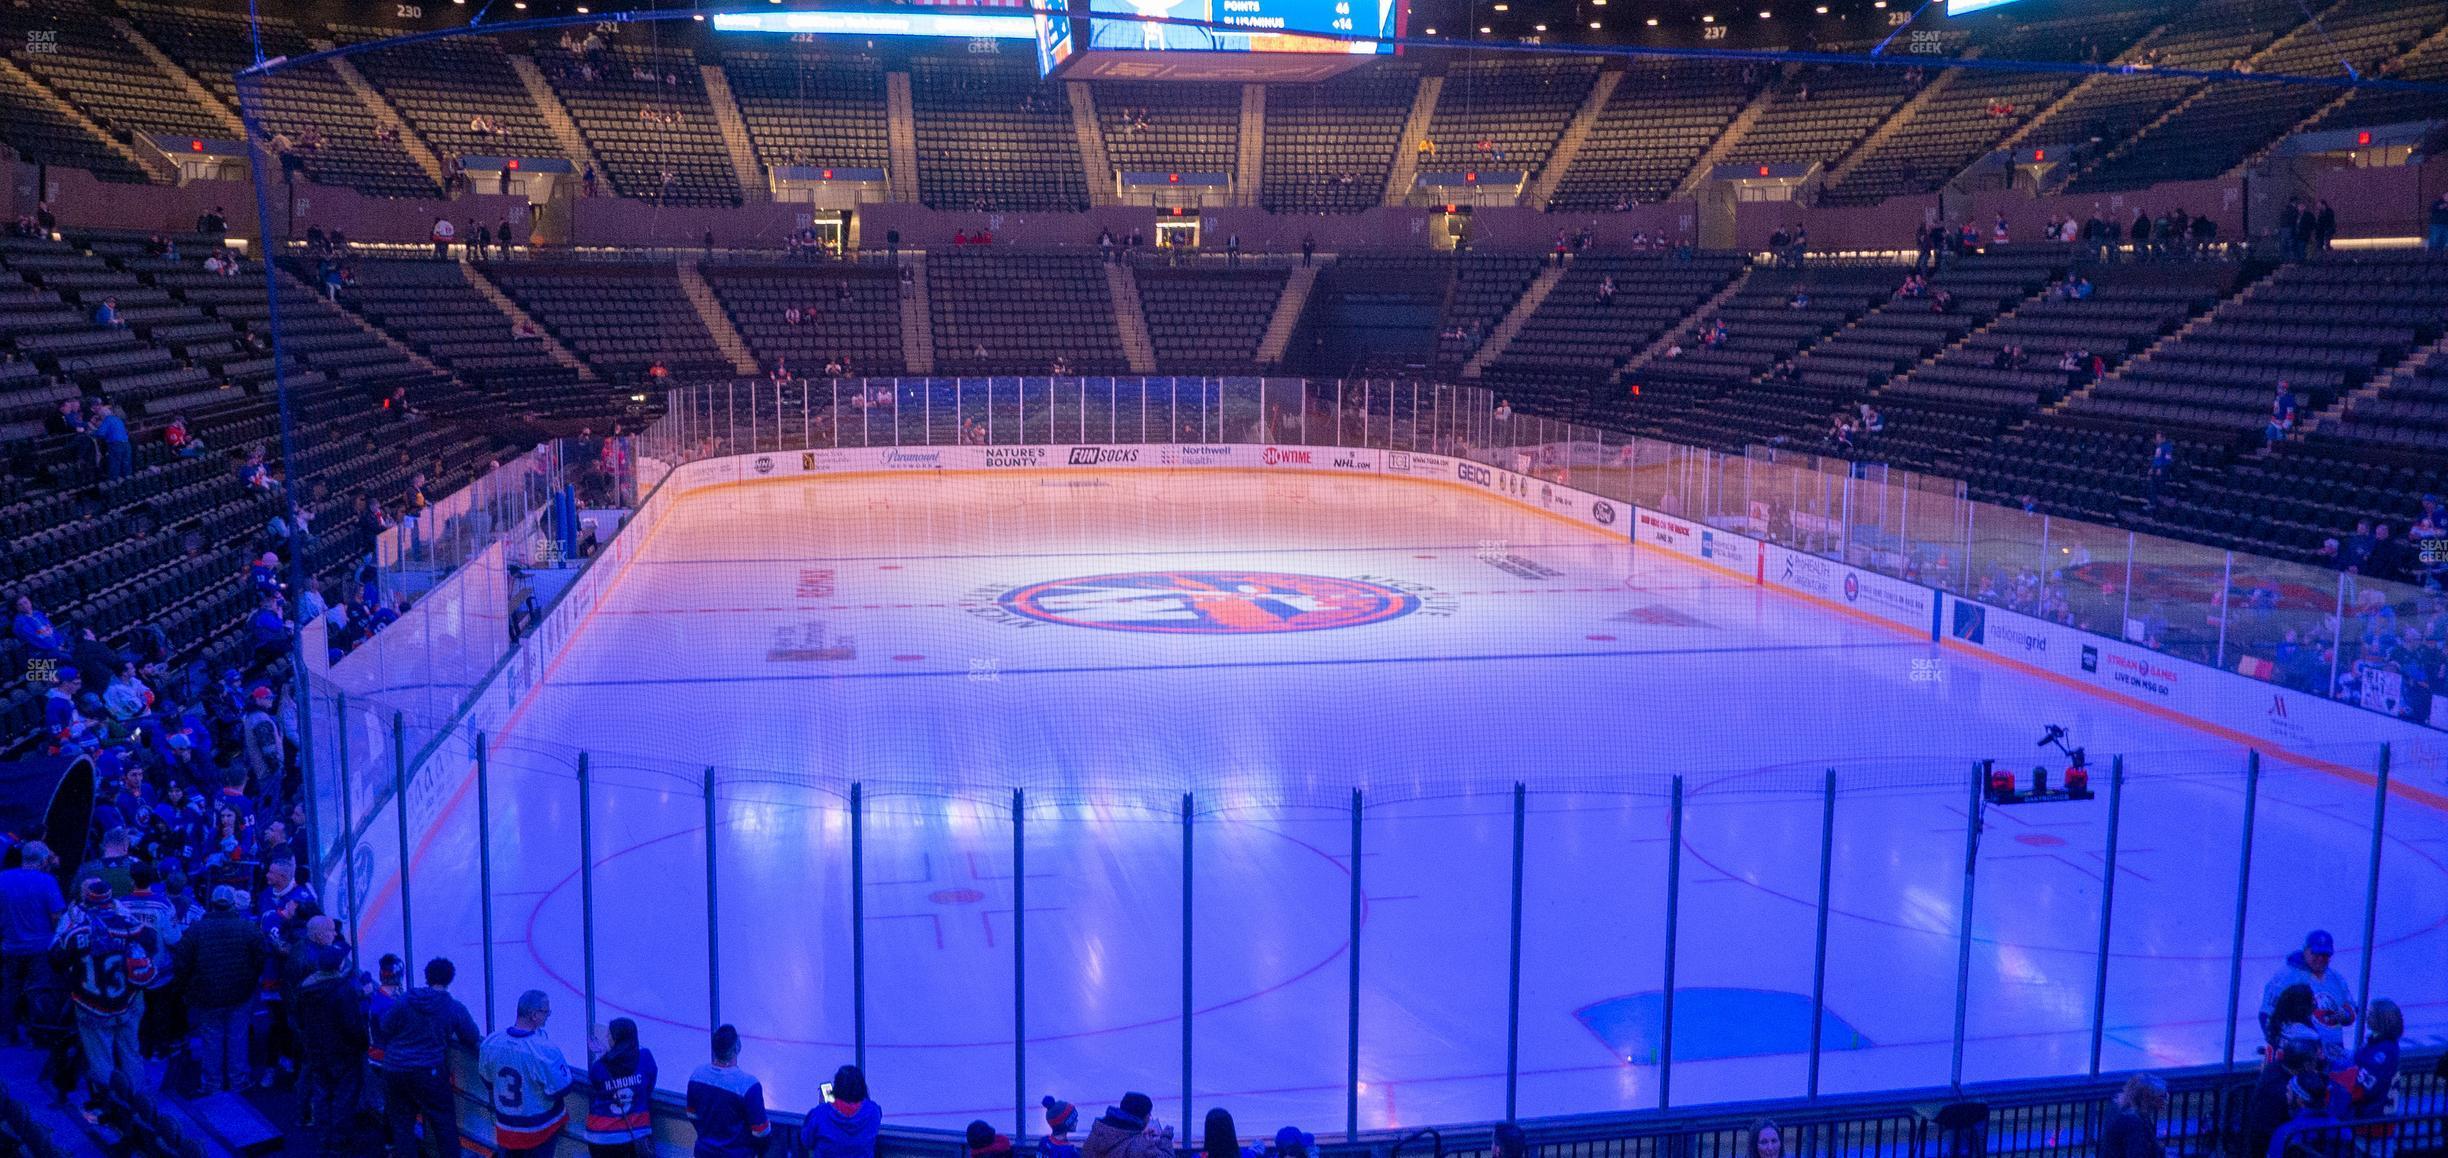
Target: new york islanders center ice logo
(1209,602)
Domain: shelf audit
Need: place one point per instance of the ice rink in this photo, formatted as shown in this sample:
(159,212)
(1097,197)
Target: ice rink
(1269,645)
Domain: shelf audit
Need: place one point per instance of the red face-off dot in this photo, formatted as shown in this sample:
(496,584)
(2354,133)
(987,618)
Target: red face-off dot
(2040,840)
(956,896)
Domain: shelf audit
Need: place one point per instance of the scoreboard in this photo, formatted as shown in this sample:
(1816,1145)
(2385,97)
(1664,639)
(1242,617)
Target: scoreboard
(1246,40)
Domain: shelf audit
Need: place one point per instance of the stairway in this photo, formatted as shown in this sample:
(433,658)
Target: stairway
(901,137)
(2142,136)
(556,117)
(754,187)
(1287,315)
(1576,134)
(291,282)
(710,311)
(188,85)
(149,160)
(2131,54)
(1250,163)
(1130,320)
(1894,123)
(1689,329)
(917,325)
(1093,162)
(2181,332)
(1723,146)
(561,355)
(2400,373)
(380,106)
(2426,45)
(1514,320)
(1405,172)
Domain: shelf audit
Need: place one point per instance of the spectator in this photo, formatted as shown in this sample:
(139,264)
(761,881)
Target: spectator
(36,632)
(1220,1137)
(527,1077)
(30,910)
(218,962)
(443,234)
(1128,1131)
(1061,1119)
(1508,1141)
(846,1126)
(502,238)
(330,1009)
(620,1095)
(985,1143)
(2333,1002)
(2436,238)
(1290,1142)
(116,866)
(727,1103)
(2373,1076)
(2162,464)
(2287,1081)
(2133,1132)
(111,431)
(108,959)
(415,1037)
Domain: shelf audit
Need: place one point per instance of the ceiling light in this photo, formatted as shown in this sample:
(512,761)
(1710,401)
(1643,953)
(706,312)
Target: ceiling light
(1593,25)
(1708,20)
(1432,32)
(1538,28)
(1763,15)
(699,17)
(1598,3)
(582,10)
(1484,30)
(1651,22)
(1822,10)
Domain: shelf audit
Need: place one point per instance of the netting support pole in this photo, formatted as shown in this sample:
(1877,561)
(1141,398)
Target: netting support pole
(484,869)
(1521,799)
(2099,979)
(1019,957)
(1351,1029)
(348,810)
(1186,941)
(2235,958)
(1963,918)
(858,924)
(399,813)
(2371,893)
(586,881)
(1674,912)
(1827,865)
(714,911)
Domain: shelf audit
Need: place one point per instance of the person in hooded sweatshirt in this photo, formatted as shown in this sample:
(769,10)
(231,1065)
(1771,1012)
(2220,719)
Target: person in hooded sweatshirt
(1128,1131)
(415,1037)
(846,1126)
(2333,1003)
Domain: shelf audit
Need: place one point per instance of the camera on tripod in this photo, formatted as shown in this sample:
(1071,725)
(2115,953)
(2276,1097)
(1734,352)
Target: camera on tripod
(2074,785)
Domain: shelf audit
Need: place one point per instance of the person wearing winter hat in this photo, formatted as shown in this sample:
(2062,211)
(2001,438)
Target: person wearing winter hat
(1061,1118)
(109,958)
(2333,1003)
(985,1143)
(1128,1131)
(845,1126)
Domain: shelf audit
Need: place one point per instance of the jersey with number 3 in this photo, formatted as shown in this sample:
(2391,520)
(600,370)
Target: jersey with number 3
(528,1075)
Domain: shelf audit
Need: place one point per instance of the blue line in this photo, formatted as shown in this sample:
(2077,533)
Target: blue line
(1353,661)
(1102,554)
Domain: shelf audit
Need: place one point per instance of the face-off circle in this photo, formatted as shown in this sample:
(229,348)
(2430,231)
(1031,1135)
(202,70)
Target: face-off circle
(1209,602)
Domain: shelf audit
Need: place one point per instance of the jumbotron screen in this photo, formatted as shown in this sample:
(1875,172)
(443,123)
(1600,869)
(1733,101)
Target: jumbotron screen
(1253,25)
(1252,41)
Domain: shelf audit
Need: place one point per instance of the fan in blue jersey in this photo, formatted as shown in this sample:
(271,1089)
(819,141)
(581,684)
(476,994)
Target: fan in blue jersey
(727,1103)
(621,1081)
